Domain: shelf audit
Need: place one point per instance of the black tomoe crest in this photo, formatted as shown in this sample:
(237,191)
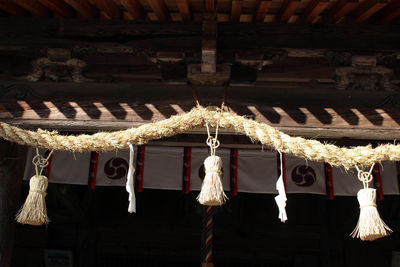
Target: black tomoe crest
(116,168)
(303,175)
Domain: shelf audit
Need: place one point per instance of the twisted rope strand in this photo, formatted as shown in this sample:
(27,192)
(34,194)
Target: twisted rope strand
(362,156)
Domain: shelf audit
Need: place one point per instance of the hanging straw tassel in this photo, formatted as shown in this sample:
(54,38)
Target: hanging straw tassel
(370,226)
(130,184)
(34,210)
(212,190)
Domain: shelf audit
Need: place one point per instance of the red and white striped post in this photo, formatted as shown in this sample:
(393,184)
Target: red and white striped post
(207,237)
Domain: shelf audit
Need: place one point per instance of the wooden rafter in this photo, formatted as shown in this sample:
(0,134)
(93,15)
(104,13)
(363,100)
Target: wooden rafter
(313,9)
(109,8)
(365,10)
(83,8)
(135,8)
(34,7)
(262,10)
(236,10)
(287,10)
(11,8)
(184,9)
(339,9)
(59,7)
(160,9)
(387,14)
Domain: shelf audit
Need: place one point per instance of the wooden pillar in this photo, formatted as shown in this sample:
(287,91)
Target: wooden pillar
(12,162)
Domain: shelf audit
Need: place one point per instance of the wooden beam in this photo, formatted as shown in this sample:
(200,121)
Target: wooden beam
(160,9)
(262,10)
(11,8)
(209,47)
(84,9)
(184,9)
(339,9)
(365,10)
(109,7)
(313,10)
(59,7)
(209,5)
(135,8)
(37,10)
(236,10)
(101,35)
(387,14)
(123,106)
(287,10)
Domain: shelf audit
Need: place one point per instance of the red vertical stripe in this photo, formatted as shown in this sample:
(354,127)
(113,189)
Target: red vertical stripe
(235,172)
(329,181)
(378,181)
(188,169)
(141,169)
(48,167)
(93,169)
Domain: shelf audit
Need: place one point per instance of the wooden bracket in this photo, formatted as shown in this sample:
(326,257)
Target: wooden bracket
(209,72)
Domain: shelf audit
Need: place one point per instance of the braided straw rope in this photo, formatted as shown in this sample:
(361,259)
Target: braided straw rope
(361,156)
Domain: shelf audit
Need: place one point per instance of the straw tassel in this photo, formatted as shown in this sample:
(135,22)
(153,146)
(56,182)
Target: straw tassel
(212,190)
(370,226)
(34,210)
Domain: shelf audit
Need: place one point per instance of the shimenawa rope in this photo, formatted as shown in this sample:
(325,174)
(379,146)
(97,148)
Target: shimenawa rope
(362,156)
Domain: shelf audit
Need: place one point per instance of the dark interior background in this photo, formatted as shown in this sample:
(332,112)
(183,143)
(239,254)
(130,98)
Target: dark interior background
(166,230)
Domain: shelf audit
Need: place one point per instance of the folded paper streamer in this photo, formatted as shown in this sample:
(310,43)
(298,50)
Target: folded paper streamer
(280,199)
(130,184)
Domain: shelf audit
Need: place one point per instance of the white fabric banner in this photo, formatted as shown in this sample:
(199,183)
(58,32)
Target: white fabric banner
(65,167)
(198,157)
(112,168)
(257,171)
(346,183)
(304,176)
(390,185)
(163,168)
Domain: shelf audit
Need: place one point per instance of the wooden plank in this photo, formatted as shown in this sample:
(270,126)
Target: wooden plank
(59,7)
(11,8)
(262,10)
(339,9)
(184,9)
(387,14)
(37,10)
(160,9)
(209,5)
(313,9)
(84,9)
(236,10)
(365,10)
(109,7)
(287,10)
(135,8)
